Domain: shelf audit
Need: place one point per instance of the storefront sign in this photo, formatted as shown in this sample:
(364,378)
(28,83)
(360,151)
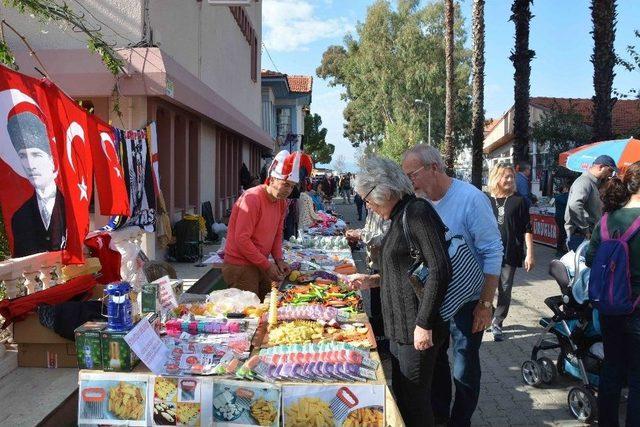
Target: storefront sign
(545,230)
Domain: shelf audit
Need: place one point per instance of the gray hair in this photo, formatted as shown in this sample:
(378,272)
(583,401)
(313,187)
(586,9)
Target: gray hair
(383,178)
(427,155)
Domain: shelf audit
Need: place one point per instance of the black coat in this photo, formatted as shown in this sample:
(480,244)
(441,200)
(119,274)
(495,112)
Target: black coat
(401,309)
(516,224)
(29,233)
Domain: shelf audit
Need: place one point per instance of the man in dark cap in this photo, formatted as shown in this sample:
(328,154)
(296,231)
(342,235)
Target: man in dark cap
(584,207)
(39,224)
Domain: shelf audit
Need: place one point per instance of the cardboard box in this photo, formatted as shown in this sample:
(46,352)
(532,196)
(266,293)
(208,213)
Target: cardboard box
(47,355)
(88,345)
(30,331)
(116,353)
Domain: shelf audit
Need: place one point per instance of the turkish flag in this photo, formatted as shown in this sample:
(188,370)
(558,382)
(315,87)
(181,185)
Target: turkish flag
(71,128)
(110,183)
(31,194)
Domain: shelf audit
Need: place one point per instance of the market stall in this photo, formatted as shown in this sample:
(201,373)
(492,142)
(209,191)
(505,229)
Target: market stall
(304,356)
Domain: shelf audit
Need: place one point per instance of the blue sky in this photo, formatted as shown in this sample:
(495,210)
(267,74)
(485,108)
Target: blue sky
(297,32)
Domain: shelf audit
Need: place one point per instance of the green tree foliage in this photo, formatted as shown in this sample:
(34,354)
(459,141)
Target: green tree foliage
(395,57)
(561,130)
(315,143)
(633,65)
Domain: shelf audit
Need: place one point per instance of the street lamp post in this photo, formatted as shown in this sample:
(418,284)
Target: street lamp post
(421,102)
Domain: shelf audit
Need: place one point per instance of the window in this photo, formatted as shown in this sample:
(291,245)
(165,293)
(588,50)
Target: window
(283,121)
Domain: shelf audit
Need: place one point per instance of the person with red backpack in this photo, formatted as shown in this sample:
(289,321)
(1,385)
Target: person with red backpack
(614,289)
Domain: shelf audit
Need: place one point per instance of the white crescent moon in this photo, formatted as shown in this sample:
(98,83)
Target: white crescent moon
(105,137)
(73,130)
(9,98)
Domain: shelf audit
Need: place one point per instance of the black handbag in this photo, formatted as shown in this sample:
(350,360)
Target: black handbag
(467,278)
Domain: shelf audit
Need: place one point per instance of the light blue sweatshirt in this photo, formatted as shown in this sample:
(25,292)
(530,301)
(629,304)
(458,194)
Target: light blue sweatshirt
(467,211)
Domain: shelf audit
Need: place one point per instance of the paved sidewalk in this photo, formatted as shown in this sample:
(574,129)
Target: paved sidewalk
(504,399)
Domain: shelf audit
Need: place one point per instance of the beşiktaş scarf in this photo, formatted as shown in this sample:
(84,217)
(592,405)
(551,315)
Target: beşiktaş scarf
(136,163)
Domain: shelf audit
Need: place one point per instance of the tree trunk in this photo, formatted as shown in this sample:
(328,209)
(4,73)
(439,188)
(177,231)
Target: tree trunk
(449,148)
(521,58)
(603,15)
(477,112)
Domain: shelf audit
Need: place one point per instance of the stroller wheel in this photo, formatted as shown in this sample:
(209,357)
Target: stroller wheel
(549,370)
(582,404)
(532,373)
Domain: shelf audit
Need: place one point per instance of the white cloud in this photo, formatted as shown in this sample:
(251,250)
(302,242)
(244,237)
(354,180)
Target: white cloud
(292,25)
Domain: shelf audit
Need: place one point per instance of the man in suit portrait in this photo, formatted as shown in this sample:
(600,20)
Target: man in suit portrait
(39,224)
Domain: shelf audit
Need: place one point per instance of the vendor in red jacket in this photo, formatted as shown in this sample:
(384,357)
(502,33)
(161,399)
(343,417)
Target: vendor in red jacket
(255,229)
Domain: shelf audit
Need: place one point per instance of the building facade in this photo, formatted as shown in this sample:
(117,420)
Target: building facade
(285,103)
(192,67)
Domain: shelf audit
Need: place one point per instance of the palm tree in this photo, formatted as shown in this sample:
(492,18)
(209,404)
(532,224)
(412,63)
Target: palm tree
(477,113)
(449,149)
(603,15)
(521,58)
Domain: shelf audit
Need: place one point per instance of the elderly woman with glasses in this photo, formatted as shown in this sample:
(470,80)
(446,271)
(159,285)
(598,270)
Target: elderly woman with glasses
(411,316)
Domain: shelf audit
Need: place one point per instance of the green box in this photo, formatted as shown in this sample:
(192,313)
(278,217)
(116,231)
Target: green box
(149,298)
(88,346)
(116,353)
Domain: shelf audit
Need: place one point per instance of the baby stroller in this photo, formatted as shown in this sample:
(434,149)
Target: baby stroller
(574,330)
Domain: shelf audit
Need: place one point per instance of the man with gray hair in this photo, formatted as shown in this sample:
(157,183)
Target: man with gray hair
(39,224)
(467,212)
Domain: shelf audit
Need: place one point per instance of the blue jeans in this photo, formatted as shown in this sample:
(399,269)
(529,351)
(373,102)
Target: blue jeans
(466,371)
(621,342)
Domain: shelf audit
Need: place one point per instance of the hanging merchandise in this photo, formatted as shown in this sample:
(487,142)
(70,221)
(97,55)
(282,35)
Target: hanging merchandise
(110,259)
(109,174)
(139,179)
(73,141)
(46,168)
(164,232)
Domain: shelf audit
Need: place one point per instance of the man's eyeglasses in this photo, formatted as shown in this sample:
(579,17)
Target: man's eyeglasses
(364,199)
(412,175)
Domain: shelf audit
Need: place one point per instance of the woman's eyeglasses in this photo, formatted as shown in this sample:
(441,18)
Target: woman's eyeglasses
(364,199)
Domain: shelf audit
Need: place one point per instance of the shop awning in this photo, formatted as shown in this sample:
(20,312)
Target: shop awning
(149,72)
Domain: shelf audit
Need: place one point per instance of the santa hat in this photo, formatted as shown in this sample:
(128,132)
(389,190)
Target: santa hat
(287,166)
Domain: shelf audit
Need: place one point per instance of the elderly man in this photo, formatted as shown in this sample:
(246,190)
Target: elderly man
(256,228)
(584,207)
(465,211)
(39,224)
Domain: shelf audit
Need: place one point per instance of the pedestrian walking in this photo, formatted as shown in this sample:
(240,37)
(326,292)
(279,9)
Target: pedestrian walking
(620,333)
(560,203)
(359,206)
(411,317)
(584,207)
(466,212)
(523,183)
(512,215)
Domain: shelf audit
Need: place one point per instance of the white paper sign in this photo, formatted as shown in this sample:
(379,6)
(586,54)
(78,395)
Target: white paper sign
(148,346)
(166,293)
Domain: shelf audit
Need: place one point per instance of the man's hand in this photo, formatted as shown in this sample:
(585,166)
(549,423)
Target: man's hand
(283,267)
(481,317)
(353,235)
(422,339)
(274,274)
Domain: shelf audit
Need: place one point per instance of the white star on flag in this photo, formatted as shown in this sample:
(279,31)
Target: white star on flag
(83,190)
(117,169)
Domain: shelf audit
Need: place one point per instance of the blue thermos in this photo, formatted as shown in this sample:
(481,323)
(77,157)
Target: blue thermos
(119,316)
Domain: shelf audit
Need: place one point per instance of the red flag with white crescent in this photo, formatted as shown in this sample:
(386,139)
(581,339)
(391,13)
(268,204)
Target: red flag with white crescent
(109,175)
(70,123)
(31,194)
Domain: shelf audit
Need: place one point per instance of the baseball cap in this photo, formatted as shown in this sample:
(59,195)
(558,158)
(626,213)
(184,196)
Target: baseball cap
(605,160)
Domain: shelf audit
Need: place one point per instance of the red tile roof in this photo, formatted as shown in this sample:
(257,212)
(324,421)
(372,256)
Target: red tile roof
(489,124)
(269,73)
(625,114)
(300,84)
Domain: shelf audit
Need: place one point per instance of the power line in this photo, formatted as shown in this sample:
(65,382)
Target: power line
(270,58)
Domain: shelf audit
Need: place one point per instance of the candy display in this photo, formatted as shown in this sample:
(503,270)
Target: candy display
(308,312)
